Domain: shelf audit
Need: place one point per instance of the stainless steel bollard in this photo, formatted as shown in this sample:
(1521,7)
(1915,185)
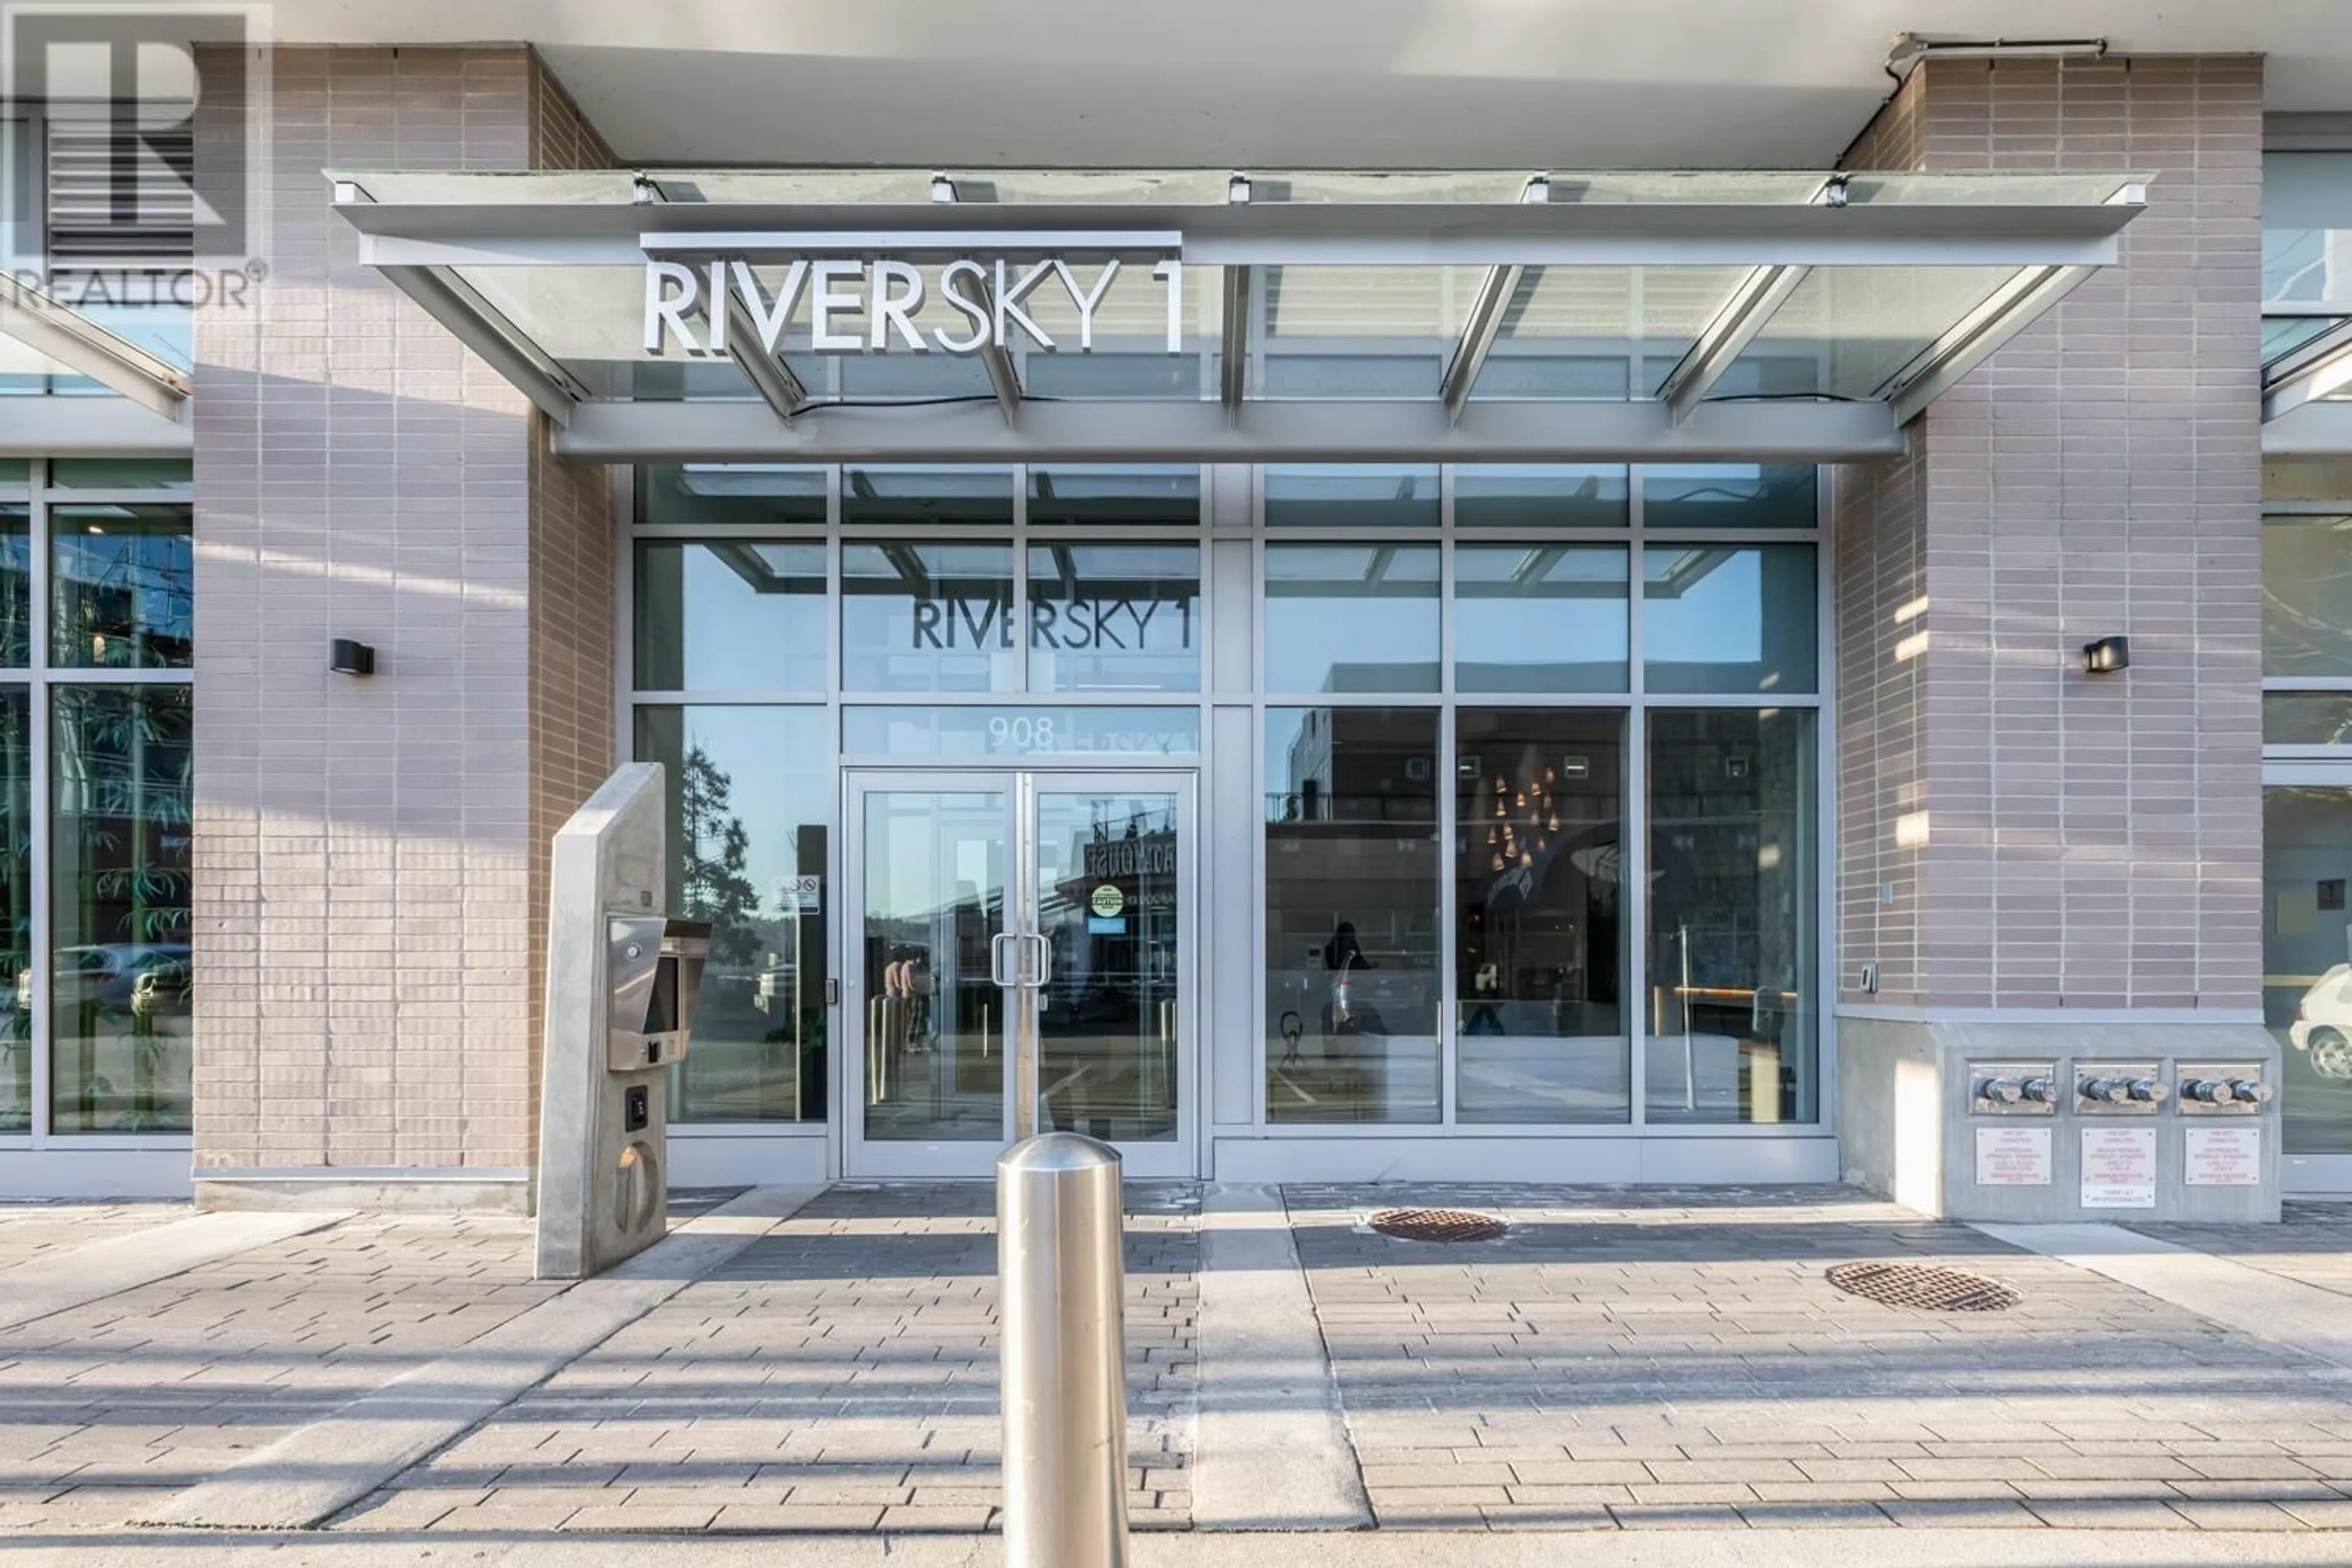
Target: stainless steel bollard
(1059,1280)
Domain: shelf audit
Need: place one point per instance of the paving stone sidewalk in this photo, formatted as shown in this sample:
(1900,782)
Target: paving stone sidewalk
(1644,1359)
(34,1229)
(112,1407)
(1619,1360)
(841,1375)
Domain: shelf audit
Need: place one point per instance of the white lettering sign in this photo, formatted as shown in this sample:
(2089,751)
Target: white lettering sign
(2118,1167)
(2225,1156)
(2012,1156)
(691,308)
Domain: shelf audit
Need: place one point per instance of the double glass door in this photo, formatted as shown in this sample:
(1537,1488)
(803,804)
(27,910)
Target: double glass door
(1020,938)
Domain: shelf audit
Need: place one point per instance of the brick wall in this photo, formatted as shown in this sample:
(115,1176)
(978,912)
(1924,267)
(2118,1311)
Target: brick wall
(2075,842)
(366,911)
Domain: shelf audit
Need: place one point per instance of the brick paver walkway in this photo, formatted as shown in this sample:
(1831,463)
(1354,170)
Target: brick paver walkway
(31,1230)
(1655,1358)
(113,1406)
(840,1374)
(1619,1360)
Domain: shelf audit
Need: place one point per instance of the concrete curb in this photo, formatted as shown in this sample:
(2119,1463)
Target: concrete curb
(80,1275)
(311,1473)
(1272,1450)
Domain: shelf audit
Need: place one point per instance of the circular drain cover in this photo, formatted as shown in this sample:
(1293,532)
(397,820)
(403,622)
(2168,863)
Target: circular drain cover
(1935,1290)
(1437,1225)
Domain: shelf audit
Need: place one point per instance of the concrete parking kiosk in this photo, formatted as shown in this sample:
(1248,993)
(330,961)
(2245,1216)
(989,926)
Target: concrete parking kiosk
(620,986)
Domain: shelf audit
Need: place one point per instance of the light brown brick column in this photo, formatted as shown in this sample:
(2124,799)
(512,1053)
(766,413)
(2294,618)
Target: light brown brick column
(370,852)
(2016,832)
(2047,866)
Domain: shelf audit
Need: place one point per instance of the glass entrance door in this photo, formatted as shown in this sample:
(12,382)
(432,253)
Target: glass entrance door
(1020,936)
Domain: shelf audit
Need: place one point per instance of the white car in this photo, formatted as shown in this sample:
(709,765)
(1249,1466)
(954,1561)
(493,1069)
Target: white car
(2322,1029)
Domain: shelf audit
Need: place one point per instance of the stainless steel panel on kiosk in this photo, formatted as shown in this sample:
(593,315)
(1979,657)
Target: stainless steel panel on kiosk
(653,968)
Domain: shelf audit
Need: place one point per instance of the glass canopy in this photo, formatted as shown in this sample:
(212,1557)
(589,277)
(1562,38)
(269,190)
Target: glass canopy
(1100,315)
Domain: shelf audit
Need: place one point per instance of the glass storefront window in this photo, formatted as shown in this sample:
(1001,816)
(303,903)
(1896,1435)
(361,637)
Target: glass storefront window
(2307,961)
(1351,618)
(124,597)
(751,792)
(171,476)
(2307,596)
(1539,617)
(1730,618)
(938,495)
(1539,972)
(17,742)
(1732,990)
(2306,227)
(926,617)
(1351,915)
(1165,495)
(2307,718)
(1730,494)
(737,494)
(1351,495)
(1529,495)
(16,586)
(730,616)
(1115,617)
(120,981)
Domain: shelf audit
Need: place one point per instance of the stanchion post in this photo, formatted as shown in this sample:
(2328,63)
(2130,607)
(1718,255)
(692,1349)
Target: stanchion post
(1059,1290)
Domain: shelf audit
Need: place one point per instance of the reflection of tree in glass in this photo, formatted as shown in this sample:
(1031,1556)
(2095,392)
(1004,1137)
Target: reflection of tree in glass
(16,909)
(134,756)
(716,851)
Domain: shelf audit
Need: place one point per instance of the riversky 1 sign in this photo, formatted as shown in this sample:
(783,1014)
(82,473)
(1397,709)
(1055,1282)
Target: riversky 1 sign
(693,307)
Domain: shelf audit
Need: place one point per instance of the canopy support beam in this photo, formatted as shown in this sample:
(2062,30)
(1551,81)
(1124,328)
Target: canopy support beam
(2317,368)
(1496,292)
(59,333)
(1978,336)
(478,325)
(1233,353)
(770,376)
(995,358)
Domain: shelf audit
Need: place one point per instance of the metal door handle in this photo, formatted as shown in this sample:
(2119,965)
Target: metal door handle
(999,947)
(1044,970)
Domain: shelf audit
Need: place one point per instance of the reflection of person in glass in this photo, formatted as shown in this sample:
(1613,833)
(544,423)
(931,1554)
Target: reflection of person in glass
(1342,956)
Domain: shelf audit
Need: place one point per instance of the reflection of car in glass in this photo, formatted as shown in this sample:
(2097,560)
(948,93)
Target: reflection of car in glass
(161,989)
(2322,1029)
(105,974)
(773,994)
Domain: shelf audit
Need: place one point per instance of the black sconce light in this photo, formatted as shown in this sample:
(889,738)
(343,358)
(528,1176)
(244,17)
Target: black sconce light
(351,657)
(2106,656)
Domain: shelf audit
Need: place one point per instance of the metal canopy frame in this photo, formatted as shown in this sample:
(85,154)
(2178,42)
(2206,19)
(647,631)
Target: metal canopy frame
(2308,372)
(82,345)
(2048,246)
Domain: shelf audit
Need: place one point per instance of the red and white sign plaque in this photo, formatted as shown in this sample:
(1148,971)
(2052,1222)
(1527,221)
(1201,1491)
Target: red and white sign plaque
(2118,1167)
(2227,1157)
(2012,1156)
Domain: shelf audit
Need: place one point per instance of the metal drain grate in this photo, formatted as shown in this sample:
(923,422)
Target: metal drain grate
(1437,1225)
(1933,1290)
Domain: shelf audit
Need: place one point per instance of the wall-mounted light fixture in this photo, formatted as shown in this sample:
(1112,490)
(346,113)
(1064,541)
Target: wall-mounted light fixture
(2106,656)
(349,658)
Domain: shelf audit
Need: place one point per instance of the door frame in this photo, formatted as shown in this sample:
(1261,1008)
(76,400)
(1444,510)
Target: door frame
(1019,785)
